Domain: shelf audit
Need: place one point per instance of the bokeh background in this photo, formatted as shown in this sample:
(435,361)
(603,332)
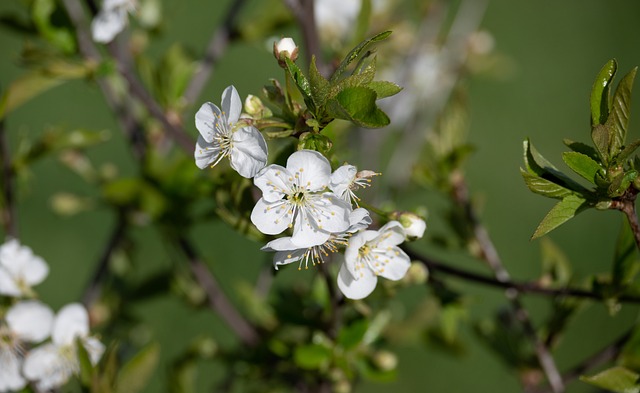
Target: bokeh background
(554,50)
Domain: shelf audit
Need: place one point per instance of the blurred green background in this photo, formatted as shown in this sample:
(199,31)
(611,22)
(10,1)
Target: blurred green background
(555,48)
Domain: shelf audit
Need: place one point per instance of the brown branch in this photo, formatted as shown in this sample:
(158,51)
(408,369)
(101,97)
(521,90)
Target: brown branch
(9,215)
(215,49)
(218,301)
(627,204)
(94,288)
(490,255)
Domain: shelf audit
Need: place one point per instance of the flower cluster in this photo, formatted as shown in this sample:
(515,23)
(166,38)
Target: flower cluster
(28,322)
(317,206)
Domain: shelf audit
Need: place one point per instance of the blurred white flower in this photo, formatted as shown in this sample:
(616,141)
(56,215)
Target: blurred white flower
(296,197)
(25,322)
(222,135)
(371,254)
(346,179)
(335,18)
(111,19)
(52,364)
(20,269)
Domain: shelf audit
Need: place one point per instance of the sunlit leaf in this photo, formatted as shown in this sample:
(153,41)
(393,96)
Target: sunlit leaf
(358,104)
(356,53)
(582,148)
(602,135)
(385,89)
(562,212)
(134,375)
(600,93)
(312,356)
(618,120)
(616,379)
(582,164)
(536,164)
(544,187)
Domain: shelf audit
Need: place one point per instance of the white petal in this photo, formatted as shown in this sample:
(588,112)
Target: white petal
(306,232)
(311,169)
(330,213)
(72,321)
(94,348)
(108,23)
(36,271)
(391,234)
(395,263)
(231,104)
(8,285)
(10,375)
(274,182)
(280,244)
(359,219)
(249,153)
(209,122)
(205,153)
(271,218)
(30,320)
(356,289)
(351,253)
(287,257)
(46,365)
(341,179)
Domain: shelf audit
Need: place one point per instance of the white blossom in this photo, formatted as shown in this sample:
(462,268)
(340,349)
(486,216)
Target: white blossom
(286,47)
(371,254)
(25,322)
(413,225)
(223,133)
(346,179)
(295,197)
(20,269)
(52,364)
(111,19)
(287,252)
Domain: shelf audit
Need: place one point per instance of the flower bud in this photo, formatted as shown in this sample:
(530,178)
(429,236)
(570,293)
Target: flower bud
(417,274)
(285,48)
(254,107)
(413,225)
(385,360)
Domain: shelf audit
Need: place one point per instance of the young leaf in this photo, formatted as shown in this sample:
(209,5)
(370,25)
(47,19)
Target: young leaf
(600,93)
(319,84)
(544,187)
(86,368)
(621,183)
(602,137)
(627,151)
(301,81)
(582,148)
(358,104)
(625,259)
(352,335)
(312,356)
(356,52)
(582,164)
(618,120)
(562,212)
(385,89)
(616,379)
(135,374)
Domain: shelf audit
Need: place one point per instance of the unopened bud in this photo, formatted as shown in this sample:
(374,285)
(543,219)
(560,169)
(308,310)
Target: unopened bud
(414,226)
(385,360)
(417,274)
(285,48)
(254,107)
(67,204)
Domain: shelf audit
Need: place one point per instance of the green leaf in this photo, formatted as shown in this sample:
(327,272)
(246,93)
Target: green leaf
(24,89)
(352,335)
(562,212)
(356,53)
(312,356)
(313,141)
(86,368)
(358,104)
(301,81)
(602,135)
(627,151)
(135,374)
(385,89)
(600,93)
(625,259)
(582,148)
(536,164)
(556,269)
(618,120)
(616,379)
(621,183)
(544,187)
(582,164)
(41,12)
(319,84)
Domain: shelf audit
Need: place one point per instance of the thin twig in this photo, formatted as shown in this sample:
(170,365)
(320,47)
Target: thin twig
(218,301)
(490,255)
(94,288)
(215,49)
(9,217)
(627,205)
(304,13)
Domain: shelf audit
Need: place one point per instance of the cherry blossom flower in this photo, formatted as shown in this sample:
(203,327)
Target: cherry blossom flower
(287,252)
(371,254)
(295,197)
(413,225)
(20,269)
(223,133)
(52,364)
(111,19)
(25,322)
(346,179)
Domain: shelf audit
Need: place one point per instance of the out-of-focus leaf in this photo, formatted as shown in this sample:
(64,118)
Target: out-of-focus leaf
(556,269)
(312,356)
(504,335)
(616,379)
(86,368)
(562,212)
(618,119)
(356,53)
(600,93)
(358,104)
(134,375)
(41,12)
(625,259)
(352,335)
(376,327)
(384,89)
(544,187)
(582,164)
(25,88)
(362,23)
(630,355)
